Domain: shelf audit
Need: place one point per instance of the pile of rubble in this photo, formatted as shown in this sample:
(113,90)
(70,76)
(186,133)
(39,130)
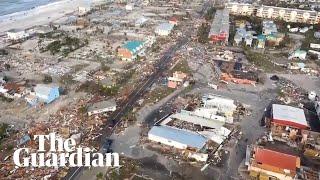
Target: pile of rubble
(289,93)
(69,122)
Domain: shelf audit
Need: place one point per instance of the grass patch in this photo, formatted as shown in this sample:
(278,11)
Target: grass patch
(309,38)
(125,172)
(94,88)
(3,131)
(183,67)
(203,33)
(79,67)
(262,61)
(210,13)
(158,94)
(5,99)
(65,45)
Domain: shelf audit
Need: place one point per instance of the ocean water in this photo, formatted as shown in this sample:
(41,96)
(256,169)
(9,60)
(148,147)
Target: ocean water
(12,6)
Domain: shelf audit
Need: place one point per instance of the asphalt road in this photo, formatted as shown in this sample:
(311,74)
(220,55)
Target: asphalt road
(160,67)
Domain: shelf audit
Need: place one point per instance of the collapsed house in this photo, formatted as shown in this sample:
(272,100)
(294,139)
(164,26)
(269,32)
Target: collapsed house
(13,90)
(176,79)
(223,105)
(265,163)
(102,107)
(311,141)
(240,77)
(235,72)
(164,29)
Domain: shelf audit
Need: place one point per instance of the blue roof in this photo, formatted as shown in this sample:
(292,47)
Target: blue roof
(24,139)
(132,45)
(261,37)
(178,135)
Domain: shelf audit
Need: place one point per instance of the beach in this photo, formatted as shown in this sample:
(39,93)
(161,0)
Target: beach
(41,15)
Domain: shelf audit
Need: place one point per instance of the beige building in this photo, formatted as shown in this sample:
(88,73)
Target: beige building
(272,12)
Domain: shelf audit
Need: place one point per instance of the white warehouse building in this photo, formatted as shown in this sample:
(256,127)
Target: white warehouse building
(164,29)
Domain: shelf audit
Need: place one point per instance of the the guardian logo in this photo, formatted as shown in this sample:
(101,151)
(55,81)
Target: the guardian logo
(62,154)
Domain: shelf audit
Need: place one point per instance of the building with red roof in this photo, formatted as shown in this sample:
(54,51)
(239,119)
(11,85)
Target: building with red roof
(273,163)
(177,79)
(173,20)
(219,31)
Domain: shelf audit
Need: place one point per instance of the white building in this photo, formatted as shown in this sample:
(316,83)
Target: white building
(164,29)
(46,93)
(16,34)
(141,21)
(298,54)
(102,107)
(273,12)
(129,6)
(83,10)
(269,27)
(314,46)
(222,103)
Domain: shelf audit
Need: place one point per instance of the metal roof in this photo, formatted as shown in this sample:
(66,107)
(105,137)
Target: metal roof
(185,116)
(44,89)
(188,138)
(277,159)
(217,135)
(288,115)
(220,23)
(102,104)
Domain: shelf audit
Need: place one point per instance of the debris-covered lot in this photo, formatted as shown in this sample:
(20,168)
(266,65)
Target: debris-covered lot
(157,83)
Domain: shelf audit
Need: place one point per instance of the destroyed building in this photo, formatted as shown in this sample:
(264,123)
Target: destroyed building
(286,122)
(102,107)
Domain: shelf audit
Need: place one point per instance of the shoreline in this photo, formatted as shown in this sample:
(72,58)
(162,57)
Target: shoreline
(22,12)
(24,7)
(41,15)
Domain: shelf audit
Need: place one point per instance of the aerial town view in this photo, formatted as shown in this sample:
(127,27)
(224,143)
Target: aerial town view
(160,89)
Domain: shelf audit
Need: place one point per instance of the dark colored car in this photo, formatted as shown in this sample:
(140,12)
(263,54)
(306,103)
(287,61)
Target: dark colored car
(106,147)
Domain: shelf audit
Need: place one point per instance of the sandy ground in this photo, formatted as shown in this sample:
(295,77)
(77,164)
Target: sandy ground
(41,15)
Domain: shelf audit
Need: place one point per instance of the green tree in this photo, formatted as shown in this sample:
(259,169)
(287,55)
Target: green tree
(203,33)
(99,176)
